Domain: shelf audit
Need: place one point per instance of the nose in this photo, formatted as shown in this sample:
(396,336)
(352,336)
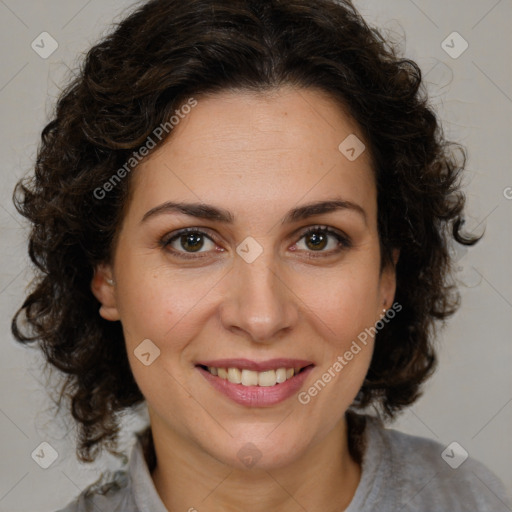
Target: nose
(259,303)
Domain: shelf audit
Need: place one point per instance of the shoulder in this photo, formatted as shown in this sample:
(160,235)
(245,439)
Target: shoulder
(110,492)
(428,475)
(128,489)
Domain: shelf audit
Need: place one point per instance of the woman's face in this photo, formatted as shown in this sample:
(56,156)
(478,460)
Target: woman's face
(247,287)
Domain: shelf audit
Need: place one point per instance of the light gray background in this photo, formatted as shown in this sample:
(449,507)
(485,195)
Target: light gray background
(468,400)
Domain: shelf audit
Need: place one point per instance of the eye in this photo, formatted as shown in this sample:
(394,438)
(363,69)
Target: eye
(319,238)
(192,243)
(188,241)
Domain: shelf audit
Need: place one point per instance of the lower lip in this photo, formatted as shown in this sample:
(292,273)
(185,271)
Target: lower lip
(257,396)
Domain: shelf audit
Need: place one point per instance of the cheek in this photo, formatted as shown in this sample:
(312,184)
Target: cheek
(345,312)
(345,299)
(153,294)
(160,314)
(160,307)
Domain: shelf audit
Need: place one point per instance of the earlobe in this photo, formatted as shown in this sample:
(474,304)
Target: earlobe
(103,288)
(389,280)
(395,254)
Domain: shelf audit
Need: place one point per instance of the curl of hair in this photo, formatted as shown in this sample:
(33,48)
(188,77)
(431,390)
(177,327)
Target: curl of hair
(133,80)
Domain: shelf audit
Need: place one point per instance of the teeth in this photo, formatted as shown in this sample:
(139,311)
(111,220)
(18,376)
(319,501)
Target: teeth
(281,375)
(267,378)
(249,378)
(234,375)
(252,378)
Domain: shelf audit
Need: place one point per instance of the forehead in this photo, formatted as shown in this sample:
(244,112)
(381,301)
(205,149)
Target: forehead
(246,149)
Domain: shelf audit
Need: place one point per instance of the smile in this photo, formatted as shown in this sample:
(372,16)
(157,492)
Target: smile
(253,378)
(256,384)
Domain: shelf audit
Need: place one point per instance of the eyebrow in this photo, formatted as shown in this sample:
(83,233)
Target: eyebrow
(210,212)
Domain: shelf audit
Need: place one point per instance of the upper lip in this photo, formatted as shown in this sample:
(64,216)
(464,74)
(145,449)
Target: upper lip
(257,366)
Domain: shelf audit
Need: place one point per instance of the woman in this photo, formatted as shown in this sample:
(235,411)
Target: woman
(242,213)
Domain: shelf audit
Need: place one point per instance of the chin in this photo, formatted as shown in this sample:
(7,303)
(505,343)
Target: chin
(261,452)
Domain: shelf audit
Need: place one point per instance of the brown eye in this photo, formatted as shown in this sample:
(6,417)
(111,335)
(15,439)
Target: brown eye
(317,239)
(188,241)
(191,241)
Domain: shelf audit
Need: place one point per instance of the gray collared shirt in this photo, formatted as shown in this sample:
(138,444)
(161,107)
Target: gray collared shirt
(400,472)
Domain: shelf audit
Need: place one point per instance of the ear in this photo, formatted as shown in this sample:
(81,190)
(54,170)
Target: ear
(105,292)
(388,280)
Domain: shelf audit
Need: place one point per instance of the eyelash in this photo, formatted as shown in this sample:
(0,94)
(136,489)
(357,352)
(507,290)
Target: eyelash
(343,242)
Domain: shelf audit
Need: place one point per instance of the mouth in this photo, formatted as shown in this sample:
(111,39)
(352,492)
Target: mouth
(256,384)
(246,377)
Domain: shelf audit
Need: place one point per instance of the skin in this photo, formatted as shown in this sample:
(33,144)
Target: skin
(258,156)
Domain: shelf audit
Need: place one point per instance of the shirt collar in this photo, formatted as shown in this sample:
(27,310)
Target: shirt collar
(144,492)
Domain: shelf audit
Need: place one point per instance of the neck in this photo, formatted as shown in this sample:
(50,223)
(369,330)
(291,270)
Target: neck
(188,479)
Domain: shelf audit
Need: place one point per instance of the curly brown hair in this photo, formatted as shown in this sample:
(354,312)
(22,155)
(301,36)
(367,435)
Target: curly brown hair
(181,49)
